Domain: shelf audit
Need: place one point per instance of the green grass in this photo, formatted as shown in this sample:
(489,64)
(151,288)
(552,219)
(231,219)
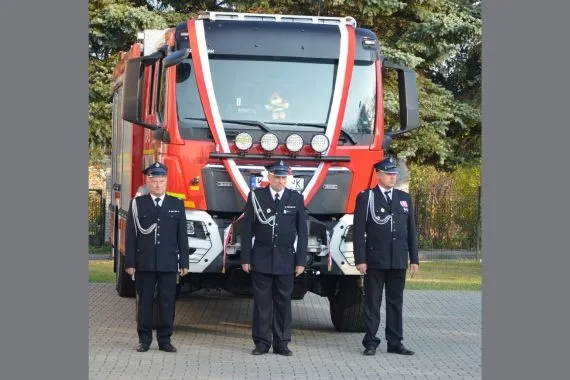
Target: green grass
(452,275)
(101,271)
(432,275)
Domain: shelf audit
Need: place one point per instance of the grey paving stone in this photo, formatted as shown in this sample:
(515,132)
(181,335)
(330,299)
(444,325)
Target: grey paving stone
(213,335)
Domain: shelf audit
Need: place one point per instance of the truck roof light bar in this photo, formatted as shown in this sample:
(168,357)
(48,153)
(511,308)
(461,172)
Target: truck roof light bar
(207,15)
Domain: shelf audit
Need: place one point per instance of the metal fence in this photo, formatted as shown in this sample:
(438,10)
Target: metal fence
(449,223)
(96,213)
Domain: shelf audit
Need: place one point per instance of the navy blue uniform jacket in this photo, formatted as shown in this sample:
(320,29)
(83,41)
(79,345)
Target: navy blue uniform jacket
(275,253)
(382,248)
(171,249)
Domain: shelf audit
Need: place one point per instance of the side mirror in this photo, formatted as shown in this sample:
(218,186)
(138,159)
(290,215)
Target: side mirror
(161,134)
(133,89)
(386,141)
(408,96)
(175,58)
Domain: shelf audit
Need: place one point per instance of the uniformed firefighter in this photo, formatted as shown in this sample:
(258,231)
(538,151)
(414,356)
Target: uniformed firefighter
(276,218)
(156,250)
(384,241)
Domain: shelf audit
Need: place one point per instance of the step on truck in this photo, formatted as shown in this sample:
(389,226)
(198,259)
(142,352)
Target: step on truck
(221,96)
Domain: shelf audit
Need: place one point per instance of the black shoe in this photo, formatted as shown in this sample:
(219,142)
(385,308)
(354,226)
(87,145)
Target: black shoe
(369,351)
(401,350)
(167,347)
(143,347)
(259,351)
(282,351)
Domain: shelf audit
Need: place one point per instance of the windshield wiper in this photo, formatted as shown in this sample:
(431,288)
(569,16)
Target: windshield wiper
(260,124)
(352,139)
(254,123)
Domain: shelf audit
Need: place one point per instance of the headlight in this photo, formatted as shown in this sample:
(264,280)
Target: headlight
(269,142)
(190,228)
(320,143)
(243,141)
(294,142)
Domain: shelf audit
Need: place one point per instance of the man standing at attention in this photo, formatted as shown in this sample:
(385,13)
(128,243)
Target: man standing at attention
(384,240)
(156,249)
(275,216)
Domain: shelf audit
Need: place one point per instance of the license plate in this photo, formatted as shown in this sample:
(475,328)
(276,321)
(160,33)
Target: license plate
(297,184)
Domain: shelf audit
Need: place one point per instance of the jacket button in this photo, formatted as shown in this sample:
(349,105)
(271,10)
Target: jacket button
(158,242)
(274,245)
(158,219)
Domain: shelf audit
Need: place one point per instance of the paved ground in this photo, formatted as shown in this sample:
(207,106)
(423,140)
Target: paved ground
(213,336)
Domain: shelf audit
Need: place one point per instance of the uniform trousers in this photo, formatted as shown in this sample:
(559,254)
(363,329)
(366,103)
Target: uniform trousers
(375,280)
(165,285)
(271,309)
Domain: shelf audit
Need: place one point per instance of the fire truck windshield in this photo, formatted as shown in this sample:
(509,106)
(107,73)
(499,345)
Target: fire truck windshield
(276,92)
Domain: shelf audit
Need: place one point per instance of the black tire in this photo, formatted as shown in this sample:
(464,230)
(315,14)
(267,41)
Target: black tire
(125,285)
(298,296)
(114,249)
(298,292)
(300,287)
(346,305)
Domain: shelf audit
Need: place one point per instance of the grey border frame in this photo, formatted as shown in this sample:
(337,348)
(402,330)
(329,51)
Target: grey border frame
(525,207)
(43,152)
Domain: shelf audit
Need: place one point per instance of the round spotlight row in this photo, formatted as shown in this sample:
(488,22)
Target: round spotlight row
(293,142)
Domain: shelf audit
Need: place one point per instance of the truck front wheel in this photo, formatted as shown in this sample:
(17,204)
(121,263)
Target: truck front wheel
(125,284)
(346,305)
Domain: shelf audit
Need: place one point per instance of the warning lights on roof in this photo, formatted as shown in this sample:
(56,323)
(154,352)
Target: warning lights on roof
(213,16)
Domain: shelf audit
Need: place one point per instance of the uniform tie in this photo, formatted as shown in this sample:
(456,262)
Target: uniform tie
(388,199)
(276,199)
(157,206)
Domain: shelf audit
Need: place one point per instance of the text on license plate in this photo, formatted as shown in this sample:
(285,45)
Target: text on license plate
(292,183)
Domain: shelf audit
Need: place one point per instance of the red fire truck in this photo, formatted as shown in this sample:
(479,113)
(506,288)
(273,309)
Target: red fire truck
(217,99)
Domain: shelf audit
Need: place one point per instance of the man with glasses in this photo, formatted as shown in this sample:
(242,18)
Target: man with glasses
(384,239)
(156,250)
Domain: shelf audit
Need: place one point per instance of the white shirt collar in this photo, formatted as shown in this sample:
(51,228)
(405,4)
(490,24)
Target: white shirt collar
(383,190)
(154,198)
(273,192)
